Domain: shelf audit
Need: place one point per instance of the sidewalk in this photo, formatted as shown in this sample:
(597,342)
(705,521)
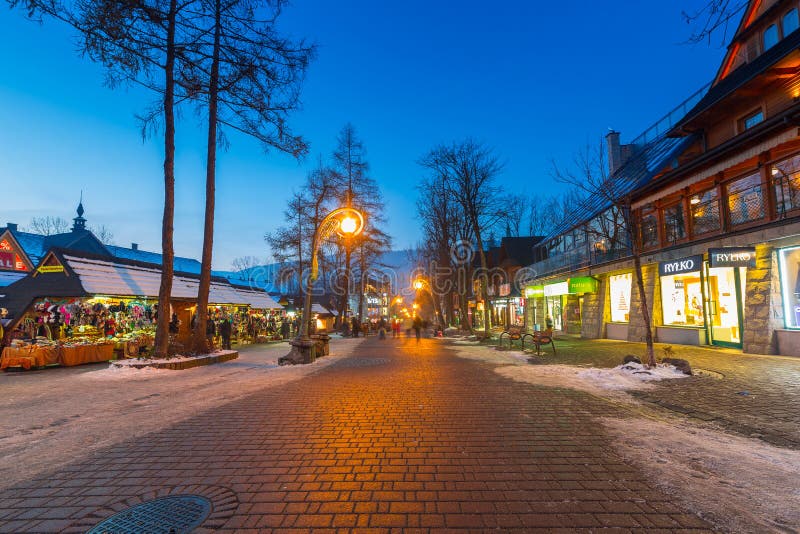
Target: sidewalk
(752,395)
(399,435)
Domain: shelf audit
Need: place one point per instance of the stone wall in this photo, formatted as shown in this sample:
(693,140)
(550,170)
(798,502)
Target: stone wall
(595,311)
(637,327)
(762,304)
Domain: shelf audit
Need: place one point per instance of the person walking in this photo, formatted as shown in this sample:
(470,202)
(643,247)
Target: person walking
(211,332)
(417,326)
(356,328)
(225,332)
(382,328)
(396,328)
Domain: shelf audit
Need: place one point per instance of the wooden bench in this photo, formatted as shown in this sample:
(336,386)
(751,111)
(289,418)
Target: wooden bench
(543,338)
(513,333)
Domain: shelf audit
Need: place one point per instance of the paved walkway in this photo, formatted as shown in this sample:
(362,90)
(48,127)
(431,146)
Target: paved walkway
(398,435)
(753,395)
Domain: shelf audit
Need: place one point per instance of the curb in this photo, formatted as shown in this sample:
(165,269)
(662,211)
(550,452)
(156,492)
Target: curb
(186,364)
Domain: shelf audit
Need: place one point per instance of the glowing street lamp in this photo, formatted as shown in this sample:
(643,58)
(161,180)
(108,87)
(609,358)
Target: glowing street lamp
(346,222)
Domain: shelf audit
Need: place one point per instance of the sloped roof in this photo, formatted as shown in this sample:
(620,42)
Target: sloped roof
(9,277)
(741,76)
(32,245)
(645,162)
(180,264)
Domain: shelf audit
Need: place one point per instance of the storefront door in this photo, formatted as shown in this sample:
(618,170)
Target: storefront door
(725,289)
(554,311)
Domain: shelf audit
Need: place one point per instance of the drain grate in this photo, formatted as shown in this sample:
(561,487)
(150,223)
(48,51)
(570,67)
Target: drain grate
(362,362)
(175,514)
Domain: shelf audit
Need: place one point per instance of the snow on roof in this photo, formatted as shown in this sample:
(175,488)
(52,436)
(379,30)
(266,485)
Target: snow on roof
(319,308)
(107,278)
(9,277)
(258,299)
(180,264)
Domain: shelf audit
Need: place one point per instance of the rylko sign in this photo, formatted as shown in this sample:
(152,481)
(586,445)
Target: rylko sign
(732,257)
(683,265)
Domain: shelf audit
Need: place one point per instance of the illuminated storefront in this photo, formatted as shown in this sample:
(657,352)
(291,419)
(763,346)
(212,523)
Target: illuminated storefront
(682,292)
(620,297)
(554,304)
(706,295)
(789,261)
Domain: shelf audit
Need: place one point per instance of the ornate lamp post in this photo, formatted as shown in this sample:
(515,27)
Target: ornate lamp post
(347,222)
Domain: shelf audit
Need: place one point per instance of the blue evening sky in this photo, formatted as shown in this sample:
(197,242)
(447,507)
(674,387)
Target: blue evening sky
(535,80)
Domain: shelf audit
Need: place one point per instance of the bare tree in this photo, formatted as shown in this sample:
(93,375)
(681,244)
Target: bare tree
(715,16)
(103,233)
(48,225)
(470,169)
(360,191)
(245,263)
(249,78)
(141,42)
(615,225)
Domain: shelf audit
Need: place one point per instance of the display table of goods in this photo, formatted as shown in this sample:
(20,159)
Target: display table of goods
(80,351)
(133,344)
(28,355)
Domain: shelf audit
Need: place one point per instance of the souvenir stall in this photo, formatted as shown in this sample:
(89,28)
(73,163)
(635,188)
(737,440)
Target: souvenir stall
(79,308)
(73,331)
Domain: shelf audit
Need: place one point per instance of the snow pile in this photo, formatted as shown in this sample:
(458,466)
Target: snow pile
(628,376)
(174,359)
(604,382)
(118,372)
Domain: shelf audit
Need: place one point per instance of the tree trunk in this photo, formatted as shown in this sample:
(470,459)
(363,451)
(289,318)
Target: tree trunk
(200,342)
(484,285)
(648,331)
(168,255)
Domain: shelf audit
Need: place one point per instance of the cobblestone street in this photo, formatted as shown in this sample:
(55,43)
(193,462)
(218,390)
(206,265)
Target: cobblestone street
(397,435)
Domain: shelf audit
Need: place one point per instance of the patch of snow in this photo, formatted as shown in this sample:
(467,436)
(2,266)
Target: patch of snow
(739,484)
(593,380)
(174,359)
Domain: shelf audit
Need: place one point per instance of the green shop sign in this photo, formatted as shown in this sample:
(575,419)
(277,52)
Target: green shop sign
(582,284)
(532,292)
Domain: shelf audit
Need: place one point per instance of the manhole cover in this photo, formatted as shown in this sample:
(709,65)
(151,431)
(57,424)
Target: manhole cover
(175,514)
(362,362)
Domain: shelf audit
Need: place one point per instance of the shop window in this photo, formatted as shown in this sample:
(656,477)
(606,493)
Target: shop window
(674,223)
(648,228)
(745,199)
(786,185)
(620,297)
(748,121)
(790,22)
(789,259)
(705,212)
(682,299)
(770,36)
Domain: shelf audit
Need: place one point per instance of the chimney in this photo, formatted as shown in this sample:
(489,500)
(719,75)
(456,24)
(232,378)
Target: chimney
(12,226)
(614,151)
(134,246)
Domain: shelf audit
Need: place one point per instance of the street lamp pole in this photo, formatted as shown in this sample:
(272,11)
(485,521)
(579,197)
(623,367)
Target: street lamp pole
(347,222)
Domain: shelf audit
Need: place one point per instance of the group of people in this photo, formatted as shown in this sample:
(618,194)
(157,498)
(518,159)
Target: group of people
(354,328)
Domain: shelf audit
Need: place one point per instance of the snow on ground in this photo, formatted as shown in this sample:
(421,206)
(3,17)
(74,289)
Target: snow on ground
(593,380)
(742,485)
(174,359)
(90,407)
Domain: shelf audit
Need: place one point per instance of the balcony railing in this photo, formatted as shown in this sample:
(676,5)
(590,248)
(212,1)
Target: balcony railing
(577,259)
